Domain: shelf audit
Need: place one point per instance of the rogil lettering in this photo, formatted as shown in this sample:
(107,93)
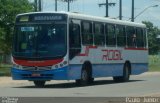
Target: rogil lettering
(111,55)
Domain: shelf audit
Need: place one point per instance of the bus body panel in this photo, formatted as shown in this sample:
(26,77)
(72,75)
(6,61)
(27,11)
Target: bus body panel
(105,62)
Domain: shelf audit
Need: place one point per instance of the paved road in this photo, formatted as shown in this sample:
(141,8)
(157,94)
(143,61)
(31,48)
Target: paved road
(147,84)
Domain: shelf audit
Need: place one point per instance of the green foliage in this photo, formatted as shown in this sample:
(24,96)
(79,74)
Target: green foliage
(153,32)
(154,63)
(8,11)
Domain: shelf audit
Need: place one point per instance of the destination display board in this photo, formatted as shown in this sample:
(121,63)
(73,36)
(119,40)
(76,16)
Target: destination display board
(41,17)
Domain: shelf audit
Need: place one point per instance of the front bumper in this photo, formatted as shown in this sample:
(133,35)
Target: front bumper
(56,74)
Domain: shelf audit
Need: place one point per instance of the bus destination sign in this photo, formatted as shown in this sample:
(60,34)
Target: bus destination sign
(48,18)
(41,17)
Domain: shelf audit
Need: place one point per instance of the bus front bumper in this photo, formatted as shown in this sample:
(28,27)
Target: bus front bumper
(55,74)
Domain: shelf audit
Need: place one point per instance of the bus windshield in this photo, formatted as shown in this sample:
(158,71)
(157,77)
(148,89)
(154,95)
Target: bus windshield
(40,40)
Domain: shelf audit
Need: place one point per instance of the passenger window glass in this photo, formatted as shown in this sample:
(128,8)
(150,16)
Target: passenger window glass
(111,36)
(99,38)
(74,40)
(87,37)
(140,40)
(131,37)
(121,36)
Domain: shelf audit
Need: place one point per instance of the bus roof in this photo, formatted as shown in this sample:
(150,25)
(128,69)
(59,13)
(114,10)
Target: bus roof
(80,16)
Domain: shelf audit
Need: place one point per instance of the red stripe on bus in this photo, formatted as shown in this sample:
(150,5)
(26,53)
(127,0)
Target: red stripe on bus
(87,50)
(92,47)
(38,63)
(136,49)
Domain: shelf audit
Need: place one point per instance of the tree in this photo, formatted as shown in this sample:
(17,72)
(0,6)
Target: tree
(8,11)
(153,32)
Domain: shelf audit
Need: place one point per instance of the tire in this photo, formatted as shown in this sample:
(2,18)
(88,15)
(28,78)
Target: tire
(126,75)
(39,83)
(84,77)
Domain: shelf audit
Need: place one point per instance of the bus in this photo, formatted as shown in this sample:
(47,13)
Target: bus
(72,46)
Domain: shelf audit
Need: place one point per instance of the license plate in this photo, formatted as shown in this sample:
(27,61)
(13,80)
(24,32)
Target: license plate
(36,75)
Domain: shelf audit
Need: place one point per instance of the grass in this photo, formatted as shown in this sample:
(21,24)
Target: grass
(154,63)
(154,66)
(5,69)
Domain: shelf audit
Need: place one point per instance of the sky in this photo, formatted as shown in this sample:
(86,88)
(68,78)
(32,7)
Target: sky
(91,7)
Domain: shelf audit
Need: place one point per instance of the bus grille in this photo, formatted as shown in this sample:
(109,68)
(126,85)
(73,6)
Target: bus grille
(37,68)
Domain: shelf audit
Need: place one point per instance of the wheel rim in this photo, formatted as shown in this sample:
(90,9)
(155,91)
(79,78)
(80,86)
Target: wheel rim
(84,75)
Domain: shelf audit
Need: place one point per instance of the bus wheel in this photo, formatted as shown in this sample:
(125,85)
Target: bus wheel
(84,77)
(126,75)
(39,83)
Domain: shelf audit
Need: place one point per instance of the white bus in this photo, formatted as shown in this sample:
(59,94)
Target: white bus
(72,46)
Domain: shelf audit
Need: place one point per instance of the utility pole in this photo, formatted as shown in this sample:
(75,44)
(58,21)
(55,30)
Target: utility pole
(132,15)
(68,5)
(35,6)
(40,5)
(107,6)
(120,9)
(55,5)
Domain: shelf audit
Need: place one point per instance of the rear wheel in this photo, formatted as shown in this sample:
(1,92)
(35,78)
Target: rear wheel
(126,75)
(39,83)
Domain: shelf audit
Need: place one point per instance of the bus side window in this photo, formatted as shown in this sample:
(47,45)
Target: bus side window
(131,37)
(106,34)
(74,40)
(111,36)
(140,41)
(99,37)
(121,36)
(87,36)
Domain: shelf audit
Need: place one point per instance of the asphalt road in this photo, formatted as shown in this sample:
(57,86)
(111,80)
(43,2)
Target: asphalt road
(147,84)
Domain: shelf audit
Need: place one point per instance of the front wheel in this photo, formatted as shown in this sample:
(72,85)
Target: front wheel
(39,83)
(126,75)
(85,78)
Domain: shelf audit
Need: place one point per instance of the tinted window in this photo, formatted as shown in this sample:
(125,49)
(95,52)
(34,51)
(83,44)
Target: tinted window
(110,35)
(131,37)
(140,40)
(74,40)
(121,36)
(99,38)
(87,37)
(74,35)
(39,41)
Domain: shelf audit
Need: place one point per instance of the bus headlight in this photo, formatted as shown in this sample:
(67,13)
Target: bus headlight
(60,65)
